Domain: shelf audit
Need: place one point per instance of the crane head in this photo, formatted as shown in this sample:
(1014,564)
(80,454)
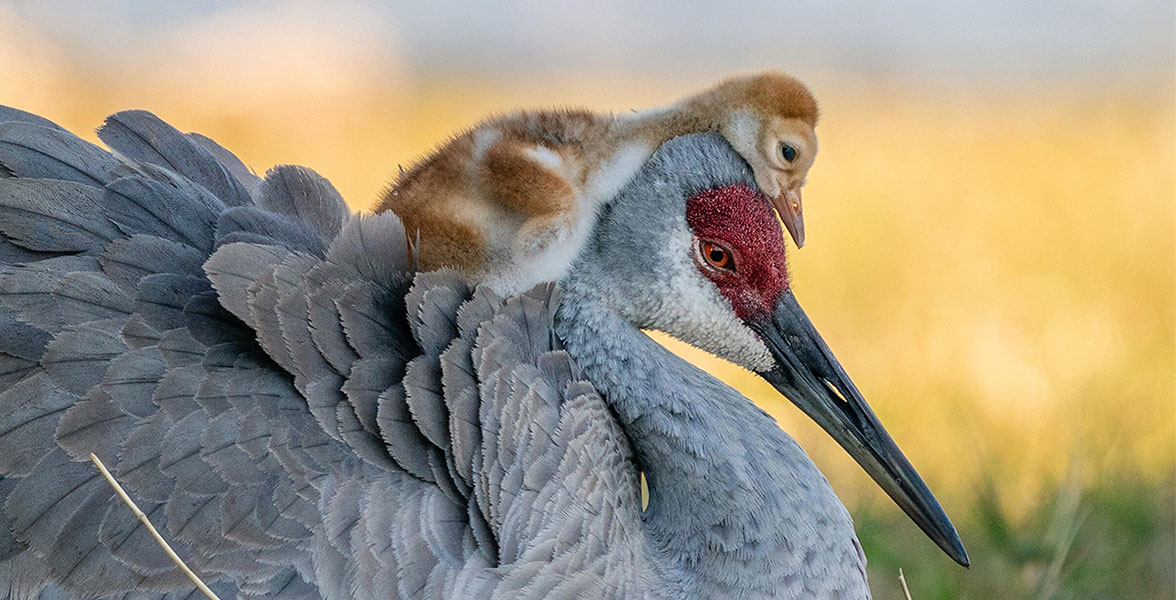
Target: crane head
(692,248)
(740,249)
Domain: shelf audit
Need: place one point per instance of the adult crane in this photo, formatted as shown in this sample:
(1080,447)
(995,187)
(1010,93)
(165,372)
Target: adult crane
(306,417)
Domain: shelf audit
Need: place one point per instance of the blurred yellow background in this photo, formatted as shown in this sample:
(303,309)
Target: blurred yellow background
(991,218)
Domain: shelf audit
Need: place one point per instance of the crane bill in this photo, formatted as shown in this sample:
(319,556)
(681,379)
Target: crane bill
(808,374)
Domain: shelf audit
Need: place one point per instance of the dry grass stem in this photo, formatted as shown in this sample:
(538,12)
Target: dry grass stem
(902,579)
(154,533)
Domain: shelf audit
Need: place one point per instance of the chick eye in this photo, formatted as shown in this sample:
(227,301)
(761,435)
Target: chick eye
(717,256)
(787,151)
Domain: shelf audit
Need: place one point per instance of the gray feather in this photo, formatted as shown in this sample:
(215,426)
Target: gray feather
(161,298)
(374,323)
(239,222)
(78,560)
(309,363)
(365,445)
(220,450)
(77,359)
(261,299)
(131,380)
(326,331)
(129,542)
(20,339)
(369,378)
(307,196)
(93,424)
(8,113)
(195,518)
(373,245)
(181,460)
(13,369)
(40,506)
(239,521)
(142,205)
(264,306)
(29,412)
(10,547)
(138,460)
(138,334)
(481,306)
(436,322)
(180,348)
(126,261)
(323,397)
(69,263)
(233,268)
(141,136)
(462,401)
(236,167)
(287,585)
(12,254)
(422,382)
(53,216)
(53,301)
(405,443)
(442,307)
(210,323)
(35,151)
(272,513)
(342,514)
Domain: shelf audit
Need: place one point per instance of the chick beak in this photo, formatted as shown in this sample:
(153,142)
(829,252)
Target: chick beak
(808,374)
(792,213)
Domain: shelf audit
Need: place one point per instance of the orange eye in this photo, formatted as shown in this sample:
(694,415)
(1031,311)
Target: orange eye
(717,256)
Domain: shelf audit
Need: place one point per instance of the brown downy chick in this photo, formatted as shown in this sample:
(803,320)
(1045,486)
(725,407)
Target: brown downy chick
(510,202)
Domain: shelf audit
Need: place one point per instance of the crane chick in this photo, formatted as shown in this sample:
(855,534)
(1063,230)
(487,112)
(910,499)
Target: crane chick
(517,193)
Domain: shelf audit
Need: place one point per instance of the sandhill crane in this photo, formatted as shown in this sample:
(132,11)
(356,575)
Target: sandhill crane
(306,417)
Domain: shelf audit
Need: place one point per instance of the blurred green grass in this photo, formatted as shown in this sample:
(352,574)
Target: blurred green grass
(1110,540)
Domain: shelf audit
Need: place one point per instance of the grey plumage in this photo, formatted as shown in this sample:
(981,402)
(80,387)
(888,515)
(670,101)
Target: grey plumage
(306,417)
(306,196)
(186,214)
(257,226)
(29,412)
(53,216)
(40,152)
(9,114)
(143,137)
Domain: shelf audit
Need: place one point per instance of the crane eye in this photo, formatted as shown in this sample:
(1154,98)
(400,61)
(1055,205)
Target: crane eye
(787,151)
(717,256)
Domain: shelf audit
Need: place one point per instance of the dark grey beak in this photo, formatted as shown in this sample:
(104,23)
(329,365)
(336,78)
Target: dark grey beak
(808,374)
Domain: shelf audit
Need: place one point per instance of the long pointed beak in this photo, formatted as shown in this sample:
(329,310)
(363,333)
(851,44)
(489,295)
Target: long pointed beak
(810,376)
(792,213)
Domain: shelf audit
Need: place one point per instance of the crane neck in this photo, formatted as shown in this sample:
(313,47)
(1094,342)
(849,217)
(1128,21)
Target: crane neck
(734,502)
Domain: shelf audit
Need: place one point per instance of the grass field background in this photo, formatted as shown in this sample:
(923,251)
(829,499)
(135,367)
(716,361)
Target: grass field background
(994,266)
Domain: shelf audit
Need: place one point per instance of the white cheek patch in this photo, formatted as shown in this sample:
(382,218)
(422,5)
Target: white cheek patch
(699,315)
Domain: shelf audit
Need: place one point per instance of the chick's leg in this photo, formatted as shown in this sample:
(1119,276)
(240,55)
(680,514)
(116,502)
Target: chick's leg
(527,179)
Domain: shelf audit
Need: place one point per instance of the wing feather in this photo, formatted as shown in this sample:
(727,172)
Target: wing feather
(142,136)
(40,152)
(300,413)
